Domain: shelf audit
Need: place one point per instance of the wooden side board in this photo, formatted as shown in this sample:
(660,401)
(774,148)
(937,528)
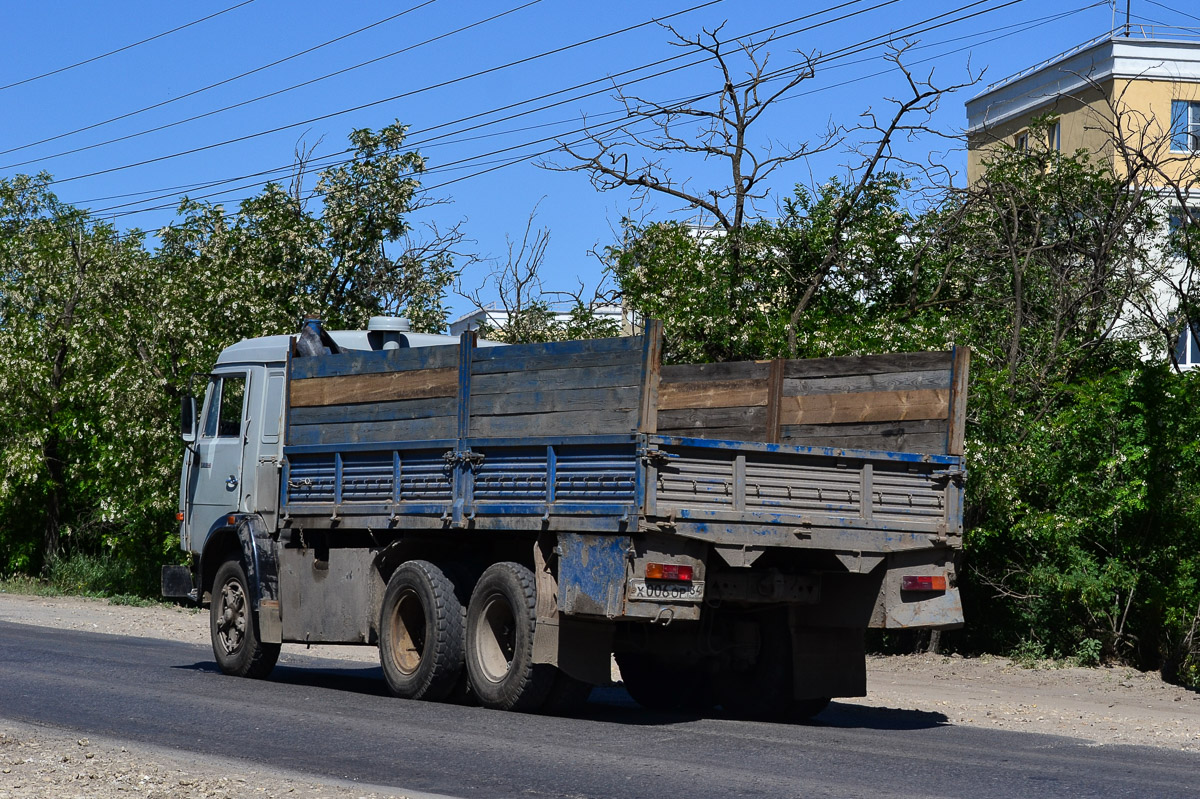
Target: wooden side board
(374,387)
(904,402)
(530,390)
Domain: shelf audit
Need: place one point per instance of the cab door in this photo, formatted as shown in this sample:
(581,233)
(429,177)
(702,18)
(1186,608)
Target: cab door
(220,445)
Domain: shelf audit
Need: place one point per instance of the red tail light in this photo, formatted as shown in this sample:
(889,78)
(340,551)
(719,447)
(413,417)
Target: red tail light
(914,582)
(668,571)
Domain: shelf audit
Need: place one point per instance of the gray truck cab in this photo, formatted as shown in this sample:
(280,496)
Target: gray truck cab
(234,450)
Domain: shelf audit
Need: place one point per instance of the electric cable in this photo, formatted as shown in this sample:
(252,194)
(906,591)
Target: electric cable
(202,89)
(95,58)
(849,50)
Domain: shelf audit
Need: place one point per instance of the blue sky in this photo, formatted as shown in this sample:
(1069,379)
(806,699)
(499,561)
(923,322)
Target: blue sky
(168,72)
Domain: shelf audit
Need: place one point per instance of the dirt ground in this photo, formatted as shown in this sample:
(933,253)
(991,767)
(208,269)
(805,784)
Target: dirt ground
(1103,706)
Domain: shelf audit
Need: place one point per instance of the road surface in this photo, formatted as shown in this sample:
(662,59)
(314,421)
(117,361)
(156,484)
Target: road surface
(334,719)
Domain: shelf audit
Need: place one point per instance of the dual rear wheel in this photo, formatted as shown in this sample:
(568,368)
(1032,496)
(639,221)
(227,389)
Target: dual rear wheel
(428,639)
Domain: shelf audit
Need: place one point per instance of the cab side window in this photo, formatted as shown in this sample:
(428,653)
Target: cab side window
(226,395)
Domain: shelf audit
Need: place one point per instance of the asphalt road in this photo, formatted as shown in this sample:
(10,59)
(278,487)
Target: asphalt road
(335,719)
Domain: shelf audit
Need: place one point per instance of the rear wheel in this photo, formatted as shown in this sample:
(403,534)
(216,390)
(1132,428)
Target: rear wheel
(501,618)
(421,633)
(758,684)
(659,684)
(234,628)
(567,695)
(804,709)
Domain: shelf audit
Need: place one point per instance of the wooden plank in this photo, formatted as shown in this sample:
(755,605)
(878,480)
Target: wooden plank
(592,399)
(894,381)
(385,387)
(885,428)
(558,354)
(866,364)
(373,412)
(437,427)
(562,423)
(376,362)
(705,372)
(922,443)
(774,396)
(956,435)
(695,420)
(714,394)
(651,377)
(866,406)
(740,433)
(629,374)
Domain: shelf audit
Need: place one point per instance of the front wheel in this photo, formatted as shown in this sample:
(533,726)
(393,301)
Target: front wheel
(234,629)
(501,618)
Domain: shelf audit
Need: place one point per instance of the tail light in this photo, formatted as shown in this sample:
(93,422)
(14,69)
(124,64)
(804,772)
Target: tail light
(915,582)
(668,571)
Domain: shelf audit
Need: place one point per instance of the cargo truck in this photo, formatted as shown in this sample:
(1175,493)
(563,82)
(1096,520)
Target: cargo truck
(501,521)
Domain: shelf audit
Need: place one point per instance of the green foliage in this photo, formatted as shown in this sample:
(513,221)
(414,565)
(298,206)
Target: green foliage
(538,322)
(99,337)
(1082,534)
(730,296)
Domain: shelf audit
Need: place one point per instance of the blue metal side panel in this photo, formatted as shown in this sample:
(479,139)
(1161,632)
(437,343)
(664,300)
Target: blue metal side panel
(591,574)
(596,474)
(311,478)
(827,452)
(512,475)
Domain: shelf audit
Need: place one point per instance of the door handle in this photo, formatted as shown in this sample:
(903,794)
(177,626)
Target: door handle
(231,482)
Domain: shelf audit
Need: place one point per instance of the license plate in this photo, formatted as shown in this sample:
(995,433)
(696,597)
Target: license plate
(656,591)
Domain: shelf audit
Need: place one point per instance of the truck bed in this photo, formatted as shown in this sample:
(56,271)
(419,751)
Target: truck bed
(598,437)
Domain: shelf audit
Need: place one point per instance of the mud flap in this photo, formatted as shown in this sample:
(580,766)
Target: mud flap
(177,582)
(581,649)
(262,570)
(828,662)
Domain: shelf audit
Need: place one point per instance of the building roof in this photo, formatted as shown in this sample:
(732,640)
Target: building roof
(1143,55)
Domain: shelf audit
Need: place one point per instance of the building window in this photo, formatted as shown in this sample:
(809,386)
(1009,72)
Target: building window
(1185,126)
(1054,137)
(1187,348)
(1022,142)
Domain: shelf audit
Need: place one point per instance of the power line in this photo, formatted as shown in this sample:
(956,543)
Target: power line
(836,55)
(126,47)
(202,89)
(1176,10)
(608,80)
(373,103)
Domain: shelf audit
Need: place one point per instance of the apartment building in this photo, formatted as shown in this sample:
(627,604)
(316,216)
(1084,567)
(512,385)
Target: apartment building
(1138,86)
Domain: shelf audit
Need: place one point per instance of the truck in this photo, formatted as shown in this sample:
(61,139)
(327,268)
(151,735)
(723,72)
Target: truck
(504,521)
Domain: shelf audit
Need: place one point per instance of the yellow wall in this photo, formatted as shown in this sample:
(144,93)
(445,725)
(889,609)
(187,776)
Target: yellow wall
(1084,119)
(1144,107)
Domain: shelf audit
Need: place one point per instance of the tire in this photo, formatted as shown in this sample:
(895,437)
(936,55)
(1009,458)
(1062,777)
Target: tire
(567,695)
(421,633)
(762,691)
(805,709)
(657,684)
(234,626)
(500,623)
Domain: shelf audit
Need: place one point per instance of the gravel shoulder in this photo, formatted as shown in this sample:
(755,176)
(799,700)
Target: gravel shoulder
(1104,706)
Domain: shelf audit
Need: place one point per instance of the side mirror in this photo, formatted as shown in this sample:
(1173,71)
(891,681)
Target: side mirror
(187,419)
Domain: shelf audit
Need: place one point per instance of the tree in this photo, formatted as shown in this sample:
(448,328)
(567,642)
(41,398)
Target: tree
(745,264)
(526,308)
(63,295)
(720,131)
(99,338)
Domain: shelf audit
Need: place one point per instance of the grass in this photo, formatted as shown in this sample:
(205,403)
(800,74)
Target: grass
(98,577)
